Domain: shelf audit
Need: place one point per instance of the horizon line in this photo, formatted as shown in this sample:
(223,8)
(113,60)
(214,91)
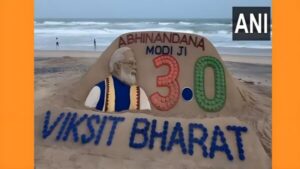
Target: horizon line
(121,18)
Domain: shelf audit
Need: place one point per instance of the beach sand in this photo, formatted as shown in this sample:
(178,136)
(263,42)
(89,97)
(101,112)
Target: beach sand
(57,70)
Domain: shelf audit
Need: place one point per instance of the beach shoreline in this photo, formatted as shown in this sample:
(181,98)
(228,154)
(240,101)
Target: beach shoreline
(252,59)
(248,69)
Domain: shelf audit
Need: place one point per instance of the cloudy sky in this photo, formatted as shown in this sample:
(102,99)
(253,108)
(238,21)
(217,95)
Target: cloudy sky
(140,8)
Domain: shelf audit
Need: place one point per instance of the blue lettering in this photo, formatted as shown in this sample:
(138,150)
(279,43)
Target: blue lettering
(238,136)
(48,130)
(154,134)
(177,130)
(100,130)
(199,141)
(86,139)
(115,121)
(63,126)
(141,131)
(223,148)
(73,127)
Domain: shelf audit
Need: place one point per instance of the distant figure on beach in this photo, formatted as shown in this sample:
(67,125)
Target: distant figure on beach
(57,43)
(95,44)
(119,91)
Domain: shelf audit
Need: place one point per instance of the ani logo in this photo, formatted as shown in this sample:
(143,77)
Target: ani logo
(251,23)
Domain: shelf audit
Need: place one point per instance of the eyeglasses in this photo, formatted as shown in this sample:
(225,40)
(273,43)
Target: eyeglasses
(130,63)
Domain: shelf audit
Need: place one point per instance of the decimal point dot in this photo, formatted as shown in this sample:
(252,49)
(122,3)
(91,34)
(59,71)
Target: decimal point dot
(187,94)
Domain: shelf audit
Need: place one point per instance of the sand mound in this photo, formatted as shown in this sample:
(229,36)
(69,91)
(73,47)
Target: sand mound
(121,153)
(199,66)
(239,101)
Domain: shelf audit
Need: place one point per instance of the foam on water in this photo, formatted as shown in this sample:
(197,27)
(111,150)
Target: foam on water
(78,34)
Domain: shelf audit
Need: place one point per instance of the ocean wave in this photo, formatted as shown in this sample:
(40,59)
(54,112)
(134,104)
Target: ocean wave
(125,23)
(76,32)
(250,46)
(185,23)
(61,23)
(217,24)
(165,23)
(104,31)
(132,23)
(223,32)
(138,23)
(115,32)
(66,32)
(87,23)
(52,23)
(220,33)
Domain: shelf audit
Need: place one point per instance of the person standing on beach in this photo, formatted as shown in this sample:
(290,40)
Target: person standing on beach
(95,44)
(57,43)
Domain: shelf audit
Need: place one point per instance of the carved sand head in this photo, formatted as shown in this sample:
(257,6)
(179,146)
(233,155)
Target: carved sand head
(123,65)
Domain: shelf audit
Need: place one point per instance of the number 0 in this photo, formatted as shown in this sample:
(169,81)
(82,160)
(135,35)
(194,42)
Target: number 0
(217,102)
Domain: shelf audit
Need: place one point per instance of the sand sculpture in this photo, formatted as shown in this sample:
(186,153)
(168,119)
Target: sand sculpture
(168,63)
(185,81)
(119,91)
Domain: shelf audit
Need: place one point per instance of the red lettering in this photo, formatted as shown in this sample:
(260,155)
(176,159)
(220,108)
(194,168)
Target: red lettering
(130,39)
(177,36)
(158,38)
(166,38)
(184,40)
(149,37)
(165,103)
(121,42)
(201,44)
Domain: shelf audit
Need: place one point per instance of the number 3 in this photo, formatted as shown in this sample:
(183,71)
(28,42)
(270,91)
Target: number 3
(165,103)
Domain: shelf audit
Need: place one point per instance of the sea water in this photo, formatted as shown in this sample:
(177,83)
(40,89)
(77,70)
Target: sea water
(79,34)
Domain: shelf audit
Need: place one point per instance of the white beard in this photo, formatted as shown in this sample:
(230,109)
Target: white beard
(128,78)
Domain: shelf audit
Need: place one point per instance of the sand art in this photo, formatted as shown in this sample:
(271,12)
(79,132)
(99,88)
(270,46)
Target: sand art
(164,76)
(119,91)
(173,104)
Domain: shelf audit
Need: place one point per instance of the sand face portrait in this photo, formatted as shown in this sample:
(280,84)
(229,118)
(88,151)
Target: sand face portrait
(119,91)
(125,69)
(114,93)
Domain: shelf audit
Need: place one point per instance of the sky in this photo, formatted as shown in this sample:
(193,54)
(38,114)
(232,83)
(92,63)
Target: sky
(140,8)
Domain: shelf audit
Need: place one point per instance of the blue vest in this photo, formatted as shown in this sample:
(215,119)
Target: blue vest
(117,96)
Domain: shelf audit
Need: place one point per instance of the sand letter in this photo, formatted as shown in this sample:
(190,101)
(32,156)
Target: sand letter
(100,130)
(175,38)
(177,130)
(149,50)
(201,44)
(200,141)
(238,136)
(121,42)
(142,131)
(223,148)
(115,121)
(48,130)
(63,126)
(73,127)
(163,135)
(86,139)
